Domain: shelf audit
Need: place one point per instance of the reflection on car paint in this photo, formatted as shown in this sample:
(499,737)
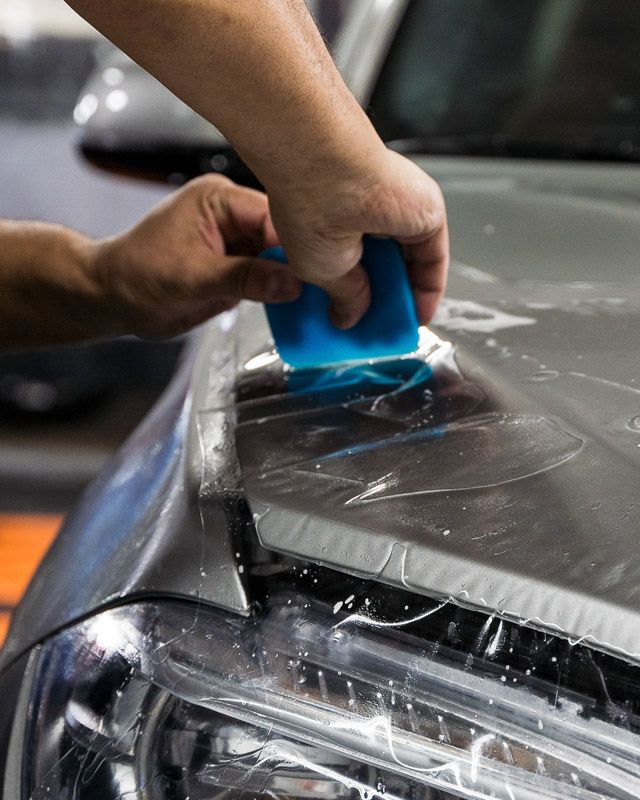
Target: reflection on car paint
(466,315)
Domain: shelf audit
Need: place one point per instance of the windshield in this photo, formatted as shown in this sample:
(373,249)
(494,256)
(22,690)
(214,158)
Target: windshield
(550,78)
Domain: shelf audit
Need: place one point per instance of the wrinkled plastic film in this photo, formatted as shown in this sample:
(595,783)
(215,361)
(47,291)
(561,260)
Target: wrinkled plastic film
(440,474)
(459,473)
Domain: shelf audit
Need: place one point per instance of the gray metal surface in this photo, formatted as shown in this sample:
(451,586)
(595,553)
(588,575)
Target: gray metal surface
(525,500)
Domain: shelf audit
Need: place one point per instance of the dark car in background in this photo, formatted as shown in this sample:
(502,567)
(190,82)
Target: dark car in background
(413,578)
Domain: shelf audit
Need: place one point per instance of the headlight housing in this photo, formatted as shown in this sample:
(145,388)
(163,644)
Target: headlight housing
(173,700)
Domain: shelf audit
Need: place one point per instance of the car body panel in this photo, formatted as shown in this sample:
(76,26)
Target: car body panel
(123,105)
(544,316)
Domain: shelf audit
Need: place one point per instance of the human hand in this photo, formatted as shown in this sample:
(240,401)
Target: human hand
(191,258)
(321,226)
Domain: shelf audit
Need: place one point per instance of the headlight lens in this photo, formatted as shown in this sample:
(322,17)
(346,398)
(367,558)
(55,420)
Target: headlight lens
(173,700)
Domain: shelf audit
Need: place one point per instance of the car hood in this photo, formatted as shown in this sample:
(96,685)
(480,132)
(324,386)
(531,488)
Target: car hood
(497,467)
(503,469)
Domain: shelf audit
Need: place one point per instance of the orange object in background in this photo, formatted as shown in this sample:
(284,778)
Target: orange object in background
(24,539)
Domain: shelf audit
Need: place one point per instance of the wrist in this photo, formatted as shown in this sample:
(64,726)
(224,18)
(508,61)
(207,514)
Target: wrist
(337,189)
(70,282)
(96,261)
(347,151)
(47,291)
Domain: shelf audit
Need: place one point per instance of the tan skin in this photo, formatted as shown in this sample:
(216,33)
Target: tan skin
(262,74)
(190,258)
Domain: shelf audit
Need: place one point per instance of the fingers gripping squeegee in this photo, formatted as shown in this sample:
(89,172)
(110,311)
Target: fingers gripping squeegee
(306,338)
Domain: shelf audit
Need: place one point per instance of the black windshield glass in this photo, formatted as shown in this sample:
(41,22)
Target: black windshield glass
(533,77)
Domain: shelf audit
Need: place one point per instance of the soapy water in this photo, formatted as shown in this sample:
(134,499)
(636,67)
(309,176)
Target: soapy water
(465,315)
(459,472)
(493,636)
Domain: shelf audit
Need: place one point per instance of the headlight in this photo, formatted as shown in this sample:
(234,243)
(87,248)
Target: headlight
(174,701)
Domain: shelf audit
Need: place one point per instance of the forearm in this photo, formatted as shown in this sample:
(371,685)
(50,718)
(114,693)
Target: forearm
(47,293)
(258,70)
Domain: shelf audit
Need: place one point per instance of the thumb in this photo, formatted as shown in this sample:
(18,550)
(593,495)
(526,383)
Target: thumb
(350,297)
(243,278)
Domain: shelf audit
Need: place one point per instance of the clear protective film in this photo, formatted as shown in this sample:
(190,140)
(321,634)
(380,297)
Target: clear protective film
(447,474)
(177,700)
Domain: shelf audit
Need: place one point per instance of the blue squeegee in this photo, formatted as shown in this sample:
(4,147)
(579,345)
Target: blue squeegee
(306,338)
